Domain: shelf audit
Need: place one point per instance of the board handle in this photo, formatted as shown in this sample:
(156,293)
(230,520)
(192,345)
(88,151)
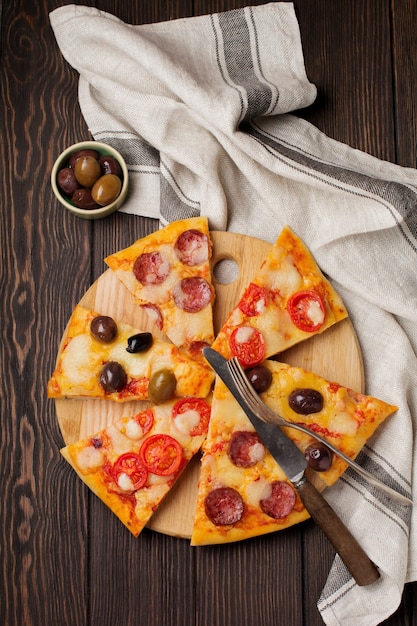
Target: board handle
(353,556)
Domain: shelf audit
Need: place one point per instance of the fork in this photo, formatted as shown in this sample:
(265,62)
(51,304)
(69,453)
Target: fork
(256,404)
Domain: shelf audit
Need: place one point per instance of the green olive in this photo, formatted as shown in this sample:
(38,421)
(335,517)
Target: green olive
(162,386)
(87,170)
(106,189)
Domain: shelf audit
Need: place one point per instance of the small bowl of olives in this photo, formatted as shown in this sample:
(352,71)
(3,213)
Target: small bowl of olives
(90,179)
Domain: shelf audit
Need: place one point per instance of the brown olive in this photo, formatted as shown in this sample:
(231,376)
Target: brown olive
(103,328)
(106,189)
(66,181)
(109,165)
(74,157)
(306,401)
(112,377)
(260,378)
(318,456)
(83,200)
(161,386)
(87,170)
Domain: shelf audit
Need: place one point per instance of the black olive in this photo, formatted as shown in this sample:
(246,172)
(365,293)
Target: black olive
(306,401)
(318,456)
(161,386)
(139,343)
(260,378)
(103,328)
(112,377)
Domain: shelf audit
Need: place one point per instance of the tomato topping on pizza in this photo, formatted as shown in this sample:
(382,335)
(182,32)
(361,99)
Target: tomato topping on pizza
(248,345)
(307,310)
(254,300)
(146,420)
(287,301)
(161,454)
(128,472)
(192,415)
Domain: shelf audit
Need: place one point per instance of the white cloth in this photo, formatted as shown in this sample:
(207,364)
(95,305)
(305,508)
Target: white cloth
(200,108)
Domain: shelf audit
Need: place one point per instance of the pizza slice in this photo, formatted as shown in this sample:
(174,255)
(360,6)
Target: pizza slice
(288,301)
(168,273)
(102,358)
(132,464)
(242,491)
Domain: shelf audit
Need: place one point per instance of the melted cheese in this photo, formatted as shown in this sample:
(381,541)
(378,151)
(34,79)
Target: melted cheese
(185,422)
(89,458)
(243,334)
(315,313)
(124,482)
(133,429)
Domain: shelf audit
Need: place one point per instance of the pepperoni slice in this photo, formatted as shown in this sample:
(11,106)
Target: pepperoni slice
(192,247)
(192,294)
(281,501)
(254,300)
(224,506)
(245,448)
(197,405)
(154,314)
(248,345)
(307,310)
(150,268)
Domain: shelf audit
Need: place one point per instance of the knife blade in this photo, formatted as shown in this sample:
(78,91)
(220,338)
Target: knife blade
(293,463)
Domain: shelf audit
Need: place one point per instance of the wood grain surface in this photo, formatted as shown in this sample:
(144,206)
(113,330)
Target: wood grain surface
(65,560)
(234,263)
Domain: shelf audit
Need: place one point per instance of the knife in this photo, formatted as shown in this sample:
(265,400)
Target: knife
(293,463)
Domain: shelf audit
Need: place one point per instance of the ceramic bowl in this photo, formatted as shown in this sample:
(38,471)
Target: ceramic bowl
(63,160)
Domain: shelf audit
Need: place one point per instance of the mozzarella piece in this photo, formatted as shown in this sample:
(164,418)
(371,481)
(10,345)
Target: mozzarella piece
(315,313)
(133,429)
(77,359)
(257,452)
(344,424)
(124,482)
(89,458)
(258,490)
(185,422)
(243,334)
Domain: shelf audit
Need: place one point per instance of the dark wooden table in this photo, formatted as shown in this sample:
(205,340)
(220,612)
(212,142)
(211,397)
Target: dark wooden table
(64,558)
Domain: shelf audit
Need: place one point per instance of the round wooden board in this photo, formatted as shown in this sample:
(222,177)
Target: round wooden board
(335,355)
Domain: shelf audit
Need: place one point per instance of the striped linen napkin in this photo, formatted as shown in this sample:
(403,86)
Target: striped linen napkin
(200,108)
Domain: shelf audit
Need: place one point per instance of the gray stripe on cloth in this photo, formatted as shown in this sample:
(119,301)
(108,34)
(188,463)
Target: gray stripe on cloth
(239,63)
(172,206)
(391,194)
(134,150)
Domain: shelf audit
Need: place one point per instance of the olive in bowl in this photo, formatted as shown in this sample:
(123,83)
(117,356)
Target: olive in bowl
(90,179)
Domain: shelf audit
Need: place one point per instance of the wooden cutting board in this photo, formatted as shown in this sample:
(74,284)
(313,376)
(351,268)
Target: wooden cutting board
(335,355)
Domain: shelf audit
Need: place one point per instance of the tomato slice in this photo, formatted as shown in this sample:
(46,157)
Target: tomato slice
(248,345)
(307,310)
(145,420)
(161,454)
(254,300)
(194,404)
(131,465)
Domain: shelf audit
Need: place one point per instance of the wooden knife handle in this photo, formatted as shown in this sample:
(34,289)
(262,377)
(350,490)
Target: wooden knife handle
(355,559)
